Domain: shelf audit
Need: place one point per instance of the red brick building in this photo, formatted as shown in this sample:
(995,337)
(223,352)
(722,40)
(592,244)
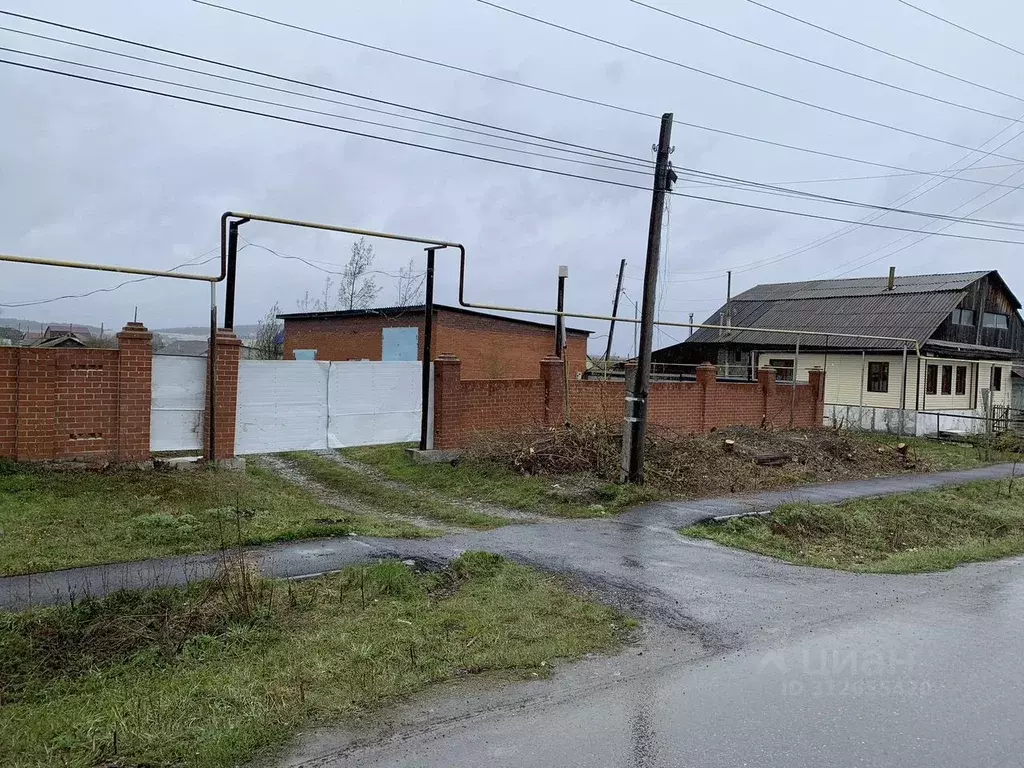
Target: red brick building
(489,346)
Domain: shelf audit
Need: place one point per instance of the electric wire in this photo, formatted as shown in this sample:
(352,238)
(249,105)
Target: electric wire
(732,81)
(496,161)
(293,81)
(815,62)
(540,89)
(734,182)
(108,289)
(882,51)
(638,162)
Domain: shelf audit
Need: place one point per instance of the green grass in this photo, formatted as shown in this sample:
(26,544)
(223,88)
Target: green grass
(904,533)
(369,491)
(188,678)
(52,519)
(936,456)
(572,496)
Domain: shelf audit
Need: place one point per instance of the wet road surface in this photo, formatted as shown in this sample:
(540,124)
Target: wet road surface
(744,660)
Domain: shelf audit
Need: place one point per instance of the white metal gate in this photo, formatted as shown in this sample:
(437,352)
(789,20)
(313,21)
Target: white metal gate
(289,405)
(179,400)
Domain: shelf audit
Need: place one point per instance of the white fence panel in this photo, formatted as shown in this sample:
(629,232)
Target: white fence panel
(282,406)
(179,400)
(372,403)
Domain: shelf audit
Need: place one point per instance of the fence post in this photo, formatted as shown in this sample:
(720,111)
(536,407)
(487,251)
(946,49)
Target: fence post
(36,405)
(707,376)
(447,409)
(554,391)
(816,379)
(227,358)
(766,382)
(135,392)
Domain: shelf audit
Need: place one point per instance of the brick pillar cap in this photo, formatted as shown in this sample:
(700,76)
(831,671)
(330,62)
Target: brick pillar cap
(227,338)
(134,330)
(551,359)
(707,365)
(446,357)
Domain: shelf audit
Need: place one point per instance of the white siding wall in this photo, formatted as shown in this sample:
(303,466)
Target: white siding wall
(952,401)
(845,384)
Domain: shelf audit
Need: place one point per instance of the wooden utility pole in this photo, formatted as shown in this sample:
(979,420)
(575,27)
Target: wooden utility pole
(635,427)
(615,311)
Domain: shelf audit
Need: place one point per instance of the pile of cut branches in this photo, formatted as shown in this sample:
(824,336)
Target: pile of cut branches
(591,447)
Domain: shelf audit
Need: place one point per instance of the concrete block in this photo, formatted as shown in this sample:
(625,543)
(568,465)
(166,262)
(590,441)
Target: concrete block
(432,457)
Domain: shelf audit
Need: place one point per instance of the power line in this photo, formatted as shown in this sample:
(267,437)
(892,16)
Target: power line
(37,302)
(868,220)
(282,78)
(817,63)
(926,235)
(834,179)
(268,102)
(609,156)
(732,81)
(313,262)
(496,161)
(769,188)
(743,183)
(882,51)
(561,94)
(962,28)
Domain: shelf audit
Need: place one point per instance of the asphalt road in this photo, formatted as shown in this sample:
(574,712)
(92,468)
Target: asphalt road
(746,661)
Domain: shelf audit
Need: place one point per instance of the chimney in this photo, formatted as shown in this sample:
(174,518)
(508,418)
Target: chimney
(892,278)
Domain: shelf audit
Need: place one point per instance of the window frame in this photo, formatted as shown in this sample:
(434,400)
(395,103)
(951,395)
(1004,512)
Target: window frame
(931,379)
(958,316)
(947,380)
(788,374)
(1002,325)
(878,377)
(996,378)
(960,380)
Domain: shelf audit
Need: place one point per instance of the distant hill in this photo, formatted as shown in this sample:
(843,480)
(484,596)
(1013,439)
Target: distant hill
(25,324)
(244,331)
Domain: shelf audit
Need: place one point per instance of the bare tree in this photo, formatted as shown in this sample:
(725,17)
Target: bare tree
(264,343)
(358,289)
(321,303)
(409,284)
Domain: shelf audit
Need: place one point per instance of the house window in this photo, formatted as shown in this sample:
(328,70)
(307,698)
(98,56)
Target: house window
(997,378)
(931,384)
(963,317)
(947,379)
(878,377)
(783,368)
(993,320)
(961,379)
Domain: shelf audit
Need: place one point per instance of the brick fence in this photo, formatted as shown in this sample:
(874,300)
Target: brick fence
(465,408)
(96,404)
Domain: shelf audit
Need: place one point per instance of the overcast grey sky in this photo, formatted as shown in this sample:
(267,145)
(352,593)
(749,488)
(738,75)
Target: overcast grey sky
(99,174)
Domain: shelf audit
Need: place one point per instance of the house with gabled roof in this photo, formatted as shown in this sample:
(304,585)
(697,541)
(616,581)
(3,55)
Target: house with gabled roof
(936,350)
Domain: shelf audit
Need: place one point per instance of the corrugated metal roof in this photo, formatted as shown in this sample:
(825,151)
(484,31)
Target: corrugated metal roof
(860,286)
(415,309)
(860,306)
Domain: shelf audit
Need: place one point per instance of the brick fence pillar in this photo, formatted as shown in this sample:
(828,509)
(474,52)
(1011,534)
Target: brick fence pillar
(707,377)
(229,354)
(766,383)
(37,405)
(447,409)
(552,374)
(134,392)
(816,379)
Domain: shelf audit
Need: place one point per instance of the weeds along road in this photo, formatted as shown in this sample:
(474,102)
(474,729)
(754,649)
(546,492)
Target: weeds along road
(744,660)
